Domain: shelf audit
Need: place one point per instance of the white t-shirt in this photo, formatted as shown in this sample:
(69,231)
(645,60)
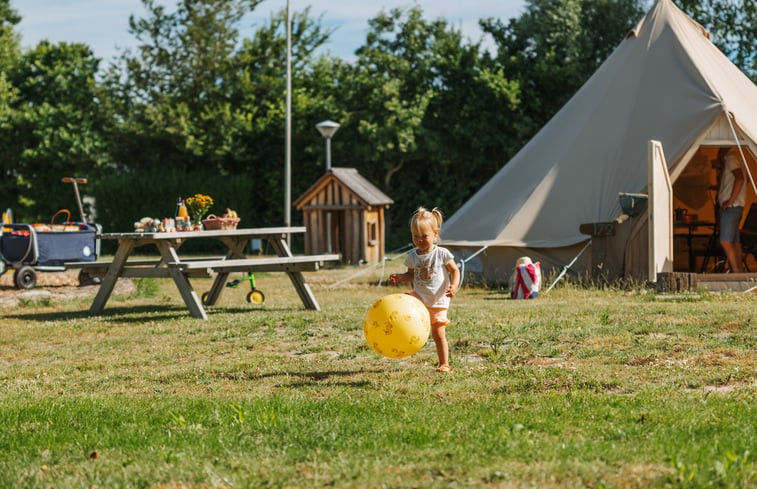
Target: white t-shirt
(732,163)
(430,276)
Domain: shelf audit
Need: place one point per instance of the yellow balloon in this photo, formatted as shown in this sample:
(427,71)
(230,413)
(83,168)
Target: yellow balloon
(397,325)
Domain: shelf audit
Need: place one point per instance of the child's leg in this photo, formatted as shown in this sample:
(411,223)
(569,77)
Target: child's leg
(439,333)
(439,323)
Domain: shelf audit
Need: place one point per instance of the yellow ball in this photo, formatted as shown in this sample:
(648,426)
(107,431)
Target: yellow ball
(397,325)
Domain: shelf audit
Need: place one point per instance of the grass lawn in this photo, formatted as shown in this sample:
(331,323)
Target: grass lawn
(580,388)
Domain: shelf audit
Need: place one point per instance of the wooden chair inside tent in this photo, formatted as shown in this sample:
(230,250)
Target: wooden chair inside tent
(748,234)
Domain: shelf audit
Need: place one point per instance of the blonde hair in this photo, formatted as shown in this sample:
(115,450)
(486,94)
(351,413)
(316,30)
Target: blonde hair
(424,217)
(523,260)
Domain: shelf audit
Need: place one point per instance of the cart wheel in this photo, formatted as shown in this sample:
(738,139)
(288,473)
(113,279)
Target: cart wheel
(25,278)
(256,296)
(205,298)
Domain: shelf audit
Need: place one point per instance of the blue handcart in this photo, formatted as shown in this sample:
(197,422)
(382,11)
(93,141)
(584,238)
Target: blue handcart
(31,248)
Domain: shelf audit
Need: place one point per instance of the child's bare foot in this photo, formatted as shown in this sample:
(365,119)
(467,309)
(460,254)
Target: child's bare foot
(444,368)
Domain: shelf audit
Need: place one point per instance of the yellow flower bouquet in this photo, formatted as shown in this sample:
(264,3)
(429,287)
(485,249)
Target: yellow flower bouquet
(198,205)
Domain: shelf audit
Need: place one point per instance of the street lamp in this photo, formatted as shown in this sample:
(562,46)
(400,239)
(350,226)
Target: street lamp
(327,129)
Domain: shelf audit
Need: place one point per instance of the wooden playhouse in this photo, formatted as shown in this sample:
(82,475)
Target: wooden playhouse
(344,213)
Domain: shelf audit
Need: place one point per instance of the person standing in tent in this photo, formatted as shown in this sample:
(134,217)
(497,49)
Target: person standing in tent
(434,274)
(731,201)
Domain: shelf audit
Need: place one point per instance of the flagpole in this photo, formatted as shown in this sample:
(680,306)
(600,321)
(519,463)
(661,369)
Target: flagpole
(288,151)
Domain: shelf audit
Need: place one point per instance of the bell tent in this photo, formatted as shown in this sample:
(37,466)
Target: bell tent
(665,82)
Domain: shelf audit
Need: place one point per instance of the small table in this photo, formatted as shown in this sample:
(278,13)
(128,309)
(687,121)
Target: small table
(690,235)
(171,265)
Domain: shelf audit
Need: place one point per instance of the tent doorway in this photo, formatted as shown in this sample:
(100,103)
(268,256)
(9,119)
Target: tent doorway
(696,247)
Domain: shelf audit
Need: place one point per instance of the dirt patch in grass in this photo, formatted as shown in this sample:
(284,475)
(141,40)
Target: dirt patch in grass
(53,286)
(730,327)
(724,389)
(639,361)
(44,279)
(722,357)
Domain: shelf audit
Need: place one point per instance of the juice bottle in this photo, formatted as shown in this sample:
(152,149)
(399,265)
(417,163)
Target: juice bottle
(182,215)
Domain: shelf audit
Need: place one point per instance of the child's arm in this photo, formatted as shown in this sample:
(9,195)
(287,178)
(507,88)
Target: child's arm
(454,278)
(397,278)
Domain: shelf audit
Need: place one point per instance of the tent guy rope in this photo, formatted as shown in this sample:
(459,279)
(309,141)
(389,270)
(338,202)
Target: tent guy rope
(567,267)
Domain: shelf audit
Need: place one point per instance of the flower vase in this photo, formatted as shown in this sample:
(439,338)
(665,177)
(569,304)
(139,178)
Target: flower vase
(197,223)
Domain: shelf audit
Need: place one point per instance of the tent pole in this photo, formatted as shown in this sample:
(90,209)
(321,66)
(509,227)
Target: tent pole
(741,151)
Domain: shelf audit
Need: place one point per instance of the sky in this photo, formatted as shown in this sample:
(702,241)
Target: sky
(103,24)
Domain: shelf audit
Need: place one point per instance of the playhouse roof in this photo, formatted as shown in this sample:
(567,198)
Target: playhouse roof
(365,191)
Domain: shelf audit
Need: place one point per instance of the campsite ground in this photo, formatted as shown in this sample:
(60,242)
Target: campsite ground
(580,388)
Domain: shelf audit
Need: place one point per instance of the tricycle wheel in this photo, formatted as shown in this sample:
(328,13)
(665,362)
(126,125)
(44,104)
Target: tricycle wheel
(205,298)
(256,297)
(25,277)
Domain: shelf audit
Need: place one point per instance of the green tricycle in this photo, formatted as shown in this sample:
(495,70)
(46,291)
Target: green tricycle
(254,296)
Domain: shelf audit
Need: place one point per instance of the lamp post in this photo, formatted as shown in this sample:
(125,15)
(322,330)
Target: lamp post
(327,129)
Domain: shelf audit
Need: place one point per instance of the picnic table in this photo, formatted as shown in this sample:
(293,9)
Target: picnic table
(172,265)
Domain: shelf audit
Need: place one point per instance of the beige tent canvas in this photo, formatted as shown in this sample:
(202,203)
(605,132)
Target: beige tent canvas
(665,82)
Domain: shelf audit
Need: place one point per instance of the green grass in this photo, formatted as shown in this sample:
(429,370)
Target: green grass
(580,388)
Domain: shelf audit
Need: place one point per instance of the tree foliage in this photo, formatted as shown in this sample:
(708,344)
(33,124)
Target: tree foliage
(9,55)
(57,124)
(554,47)
(733,24)
(174,92)
(419,100)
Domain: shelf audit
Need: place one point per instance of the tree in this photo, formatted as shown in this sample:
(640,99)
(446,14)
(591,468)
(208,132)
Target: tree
(470,128)
(58,124)
(554,47)
(733,24)
(427,115)
(9,54)
(194,96)
(9,49)
(261,94)
(173,92)
(389,89)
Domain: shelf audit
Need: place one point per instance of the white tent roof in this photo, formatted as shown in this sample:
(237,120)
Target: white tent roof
(666,81)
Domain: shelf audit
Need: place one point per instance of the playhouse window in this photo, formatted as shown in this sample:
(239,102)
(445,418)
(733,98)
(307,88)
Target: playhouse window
(372,233)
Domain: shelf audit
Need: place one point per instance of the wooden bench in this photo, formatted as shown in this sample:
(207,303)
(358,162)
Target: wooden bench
(203,267)
(133,269)
(304,263)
